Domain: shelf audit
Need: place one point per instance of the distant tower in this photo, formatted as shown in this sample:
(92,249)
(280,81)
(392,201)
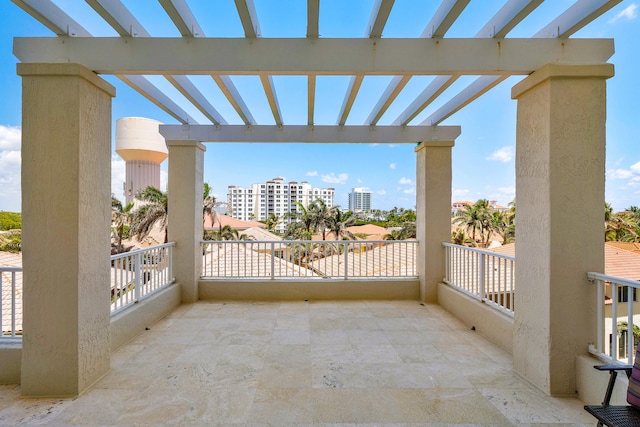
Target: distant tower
(140,144)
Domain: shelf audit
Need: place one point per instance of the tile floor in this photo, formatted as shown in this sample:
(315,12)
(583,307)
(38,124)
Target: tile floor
(369,363)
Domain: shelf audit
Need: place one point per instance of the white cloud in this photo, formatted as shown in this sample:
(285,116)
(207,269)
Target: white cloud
(118,176)
(409,191)
(405,181)
(629,14)
(312,173)
(392,166)
(459,193)
(504,154)
(381,192)
(333,179)
(359,181)
(10,138)
(619,174)
(635,167)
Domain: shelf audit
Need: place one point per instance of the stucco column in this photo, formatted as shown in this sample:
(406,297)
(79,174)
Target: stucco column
(560,167)
(66,216)
(186,168)
(433,210)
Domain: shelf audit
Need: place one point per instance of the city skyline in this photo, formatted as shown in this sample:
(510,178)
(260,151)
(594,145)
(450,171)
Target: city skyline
(483,157)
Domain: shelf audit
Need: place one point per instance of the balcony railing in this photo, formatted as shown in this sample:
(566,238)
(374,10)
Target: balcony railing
(309,259)
(617,306)
(136,274)
(11,302)
(482,274)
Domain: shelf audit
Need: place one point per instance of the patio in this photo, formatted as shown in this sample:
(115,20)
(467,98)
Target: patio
(304,363)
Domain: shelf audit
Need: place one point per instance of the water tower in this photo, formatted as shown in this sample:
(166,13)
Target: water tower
(140,144)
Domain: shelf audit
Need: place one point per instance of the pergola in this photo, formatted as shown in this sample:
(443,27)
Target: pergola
(67,146)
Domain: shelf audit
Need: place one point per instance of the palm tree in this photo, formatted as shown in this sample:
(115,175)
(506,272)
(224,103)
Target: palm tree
(339,221)
(153,211)
(619,226)
(459,237)
(227,233)
(319,214)
(120,218)
(272,221)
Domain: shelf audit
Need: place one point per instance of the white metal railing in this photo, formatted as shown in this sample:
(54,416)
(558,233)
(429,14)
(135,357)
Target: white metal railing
(614,343)
(11,302)
(139,273)
(482,274)
(294,259)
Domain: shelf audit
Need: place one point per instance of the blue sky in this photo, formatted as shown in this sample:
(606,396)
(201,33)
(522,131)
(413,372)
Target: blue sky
(483,158)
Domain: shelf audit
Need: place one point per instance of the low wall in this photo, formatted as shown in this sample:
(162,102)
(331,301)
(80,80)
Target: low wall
(11,357)
(133,320)
(592,384)
(497,327)
(321,289)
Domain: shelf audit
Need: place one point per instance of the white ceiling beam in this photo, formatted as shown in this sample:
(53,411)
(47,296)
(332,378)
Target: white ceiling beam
(389,95)
(311,99)
(319,134)
(502,22)
(303,56)
(476,89)
(444,18)
(577,16)
(379,17)
(119,17)
(510,15)
(248,18)
(426,97)
(144,87)
(233,96)
(313,19)
(182,17)
(352,91)
(272,98)
(191,92)
(51,16)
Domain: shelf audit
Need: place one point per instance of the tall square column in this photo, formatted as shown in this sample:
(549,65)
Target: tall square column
(66,218)
(185,221)
(433,213)
(560,169)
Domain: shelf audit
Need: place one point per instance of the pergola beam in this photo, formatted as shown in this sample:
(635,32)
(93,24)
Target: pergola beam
(51,16)
(316,134)
(576,17)
(119,17)
(311,99)
(392,91)
(191,92)
(426,97)
(182,17)
(444,18)
(379,17)
(306,56)
(352,91)
(248,18)
(233,96)
(313,19)
(144,87)
(272,98)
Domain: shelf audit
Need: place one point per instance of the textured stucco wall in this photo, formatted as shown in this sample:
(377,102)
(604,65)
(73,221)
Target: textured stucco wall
(66,186)
(185,227)
(11,355)
(433,213)
(560,157)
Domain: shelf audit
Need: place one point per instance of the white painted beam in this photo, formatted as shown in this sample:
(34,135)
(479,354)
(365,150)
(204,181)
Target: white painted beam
(426,97)
(510,15)
(182,17)
(191,92)
(233,96)
(144,87)
(381,11)
(388,96)
(119,17)
(272,98)
(319,134)
(311,99)
(51,16)
(444,18)
(350,96)
(577,16)
(402,57)
(248,18)
(313,19)
(465,97)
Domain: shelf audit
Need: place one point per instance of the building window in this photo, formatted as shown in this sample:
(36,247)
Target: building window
(623,294)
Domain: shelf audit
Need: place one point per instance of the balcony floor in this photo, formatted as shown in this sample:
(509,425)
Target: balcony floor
(304,363)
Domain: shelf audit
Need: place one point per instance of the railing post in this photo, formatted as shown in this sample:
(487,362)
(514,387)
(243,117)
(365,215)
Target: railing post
(346,260)
(138,275)
(273,261)
(483,282)
(13,303)
(613,348)
(171,264)
(630,347)
(600,320)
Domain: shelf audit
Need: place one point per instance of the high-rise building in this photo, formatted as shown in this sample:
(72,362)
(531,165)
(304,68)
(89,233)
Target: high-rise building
(275,196)
(360,200)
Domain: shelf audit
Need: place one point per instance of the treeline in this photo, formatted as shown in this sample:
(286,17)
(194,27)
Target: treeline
(10,221)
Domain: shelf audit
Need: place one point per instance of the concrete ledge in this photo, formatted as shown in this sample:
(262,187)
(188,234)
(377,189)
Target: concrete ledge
(11,357)
(133,320)
(497,327)
(592,384)
(321,289)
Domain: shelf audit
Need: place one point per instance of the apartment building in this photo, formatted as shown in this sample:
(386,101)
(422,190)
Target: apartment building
(275,196)
(360,200)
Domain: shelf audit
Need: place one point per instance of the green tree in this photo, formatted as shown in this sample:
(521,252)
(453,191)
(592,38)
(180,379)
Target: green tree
(11,241)
(337,223)
(10,221)
(153,211)
(120,220)
(272,221)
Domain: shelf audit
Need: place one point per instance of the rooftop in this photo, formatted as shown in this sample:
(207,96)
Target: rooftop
(304,363)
